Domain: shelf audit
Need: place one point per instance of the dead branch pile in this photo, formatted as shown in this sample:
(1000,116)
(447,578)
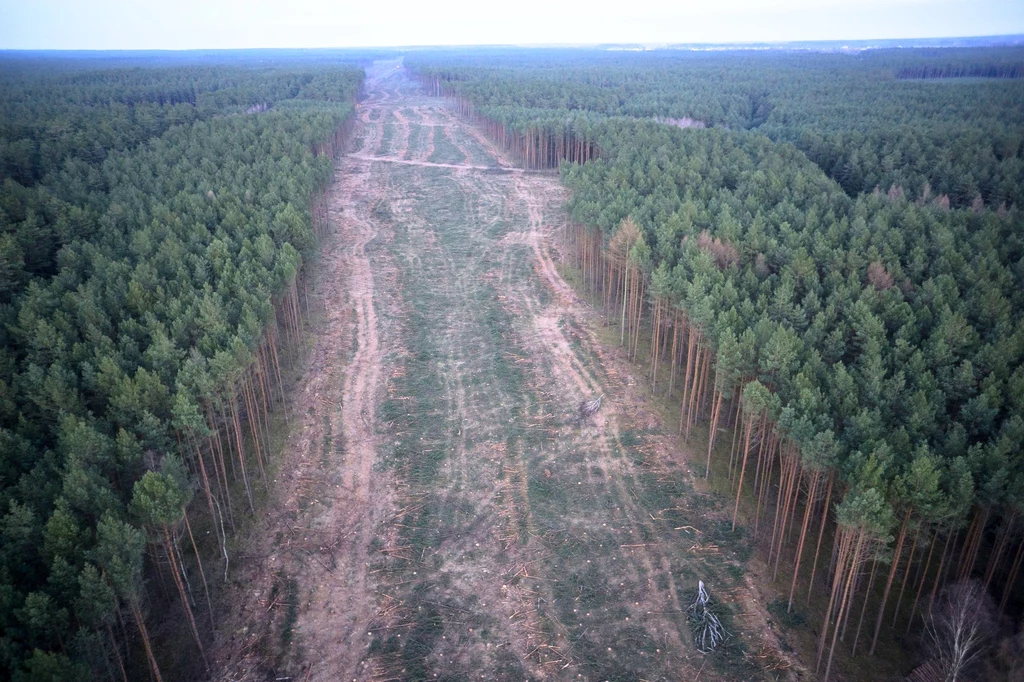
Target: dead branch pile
(707,630)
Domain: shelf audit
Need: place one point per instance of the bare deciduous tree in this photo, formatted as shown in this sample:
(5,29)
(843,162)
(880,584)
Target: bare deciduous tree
(958,627)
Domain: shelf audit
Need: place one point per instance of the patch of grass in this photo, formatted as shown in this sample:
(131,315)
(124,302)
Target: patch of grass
(417,139)
(549,494)
(328,443)
(478,154)
(630,438)
(792,619)
(444,150)
(498,229)
(583,352)
(285,590)
(628,656)
(382,210)
(387,138)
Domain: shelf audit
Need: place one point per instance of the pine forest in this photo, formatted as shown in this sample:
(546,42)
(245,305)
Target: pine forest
(812,261)
(155,224)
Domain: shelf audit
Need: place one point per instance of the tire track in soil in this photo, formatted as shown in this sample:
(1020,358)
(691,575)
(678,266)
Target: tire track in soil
(327,500)
(376,112)
(428,134)
(477,154)
(603,431)
(519,624)
(348,595)
(415,142)
(399,150)
(368,134)
(434,164)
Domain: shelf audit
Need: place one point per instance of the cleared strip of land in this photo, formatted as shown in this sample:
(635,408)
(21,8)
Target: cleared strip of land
(442,513)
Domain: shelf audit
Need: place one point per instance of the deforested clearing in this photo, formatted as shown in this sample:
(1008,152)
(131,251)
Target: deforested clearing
(467,522)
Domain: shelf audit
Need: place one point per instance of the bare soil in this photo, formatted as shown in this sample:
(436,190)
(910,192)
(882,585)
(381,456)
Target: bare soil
(440,511)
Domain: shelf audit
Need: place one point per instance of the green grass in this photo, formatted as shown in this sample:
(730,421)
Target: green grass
(478,155)
(417,139)
(445,150)
(286,589)
(387,138)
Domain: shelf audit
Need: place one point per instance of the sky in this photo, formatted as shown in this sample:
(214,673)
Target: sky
(209,24)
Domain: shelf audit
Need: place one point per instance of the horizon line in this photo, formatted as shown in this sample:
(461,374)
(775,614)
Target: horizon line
(1018,38)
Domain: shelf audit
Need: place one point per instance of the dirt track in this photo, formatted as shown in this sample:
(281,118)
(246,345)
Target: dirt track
(439,513)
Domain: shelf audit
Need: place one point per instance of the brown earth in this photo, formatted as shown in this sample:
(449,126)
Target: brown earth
(439,511)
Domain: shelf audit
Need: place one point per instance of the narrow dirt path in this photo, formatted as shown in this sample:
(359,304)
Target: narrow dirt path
(441,512)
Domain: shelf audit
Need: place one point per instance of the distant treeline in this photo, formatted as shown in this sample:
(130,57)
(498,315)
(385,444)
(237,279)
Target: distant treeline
(963,71)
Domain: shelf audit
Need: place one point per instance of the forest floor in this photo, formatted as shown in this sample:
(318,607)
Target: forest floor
(439,512)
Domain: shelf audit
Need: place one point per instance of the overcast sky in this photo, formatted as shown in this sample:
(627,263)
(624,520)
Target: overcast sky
(190,24)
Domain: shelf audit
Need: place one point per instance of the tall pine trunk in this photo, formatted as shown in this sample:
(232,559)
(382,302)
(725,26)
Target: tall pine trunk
(906,574)
(1014,570)
(812,492)
(716,412)
(199,562)
(146,644)
(743,469)
(821,534)
(923,580)
(896,554)
(176,573)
